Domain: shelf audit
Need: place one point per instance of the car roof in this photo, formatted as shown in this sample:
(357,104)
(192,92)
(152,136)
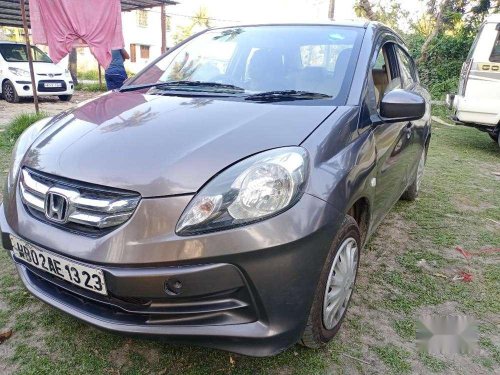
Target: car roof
(362,23)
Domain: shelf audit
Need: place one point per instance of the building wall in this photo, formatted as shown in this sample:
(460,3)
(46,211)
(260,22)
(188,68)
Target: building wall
(137,31)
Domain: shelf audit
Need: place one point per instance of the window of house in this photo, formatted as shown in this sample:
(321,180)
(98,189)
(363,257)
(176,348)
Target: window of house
(495,53)
(144,52)
(142,18)
(168,23)
(133,57)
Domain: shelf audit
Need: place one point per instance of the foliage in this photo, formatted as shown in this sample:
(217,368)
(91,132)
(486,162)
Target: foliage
(19,124)
(447,52)
(200,20)
(439,40)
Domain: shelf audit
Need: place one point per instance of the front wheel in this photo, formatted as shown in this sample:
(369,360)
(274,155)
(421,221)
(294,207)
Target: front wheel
(335,287)
(9,92)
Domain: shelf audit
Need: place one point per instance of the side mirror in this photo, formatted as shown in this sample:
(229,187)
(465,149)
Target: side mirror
(401,105)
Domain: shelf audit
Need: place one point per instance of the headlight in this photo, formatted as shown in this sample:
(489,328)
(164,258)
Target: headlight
(66,71)
(22,145)
(20,72)
(254,189)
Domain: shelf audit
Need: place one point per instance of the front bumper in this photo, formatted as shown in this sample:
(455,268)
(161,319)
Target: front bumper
(24,88)
(246,290)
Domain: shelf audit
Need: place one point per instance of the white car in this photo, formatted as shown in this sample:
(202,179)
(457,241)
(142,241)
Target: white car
(477,103)
(15,81)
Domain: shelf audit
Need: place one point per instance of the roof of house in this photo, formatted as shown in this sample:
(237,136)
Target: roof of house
(10,11)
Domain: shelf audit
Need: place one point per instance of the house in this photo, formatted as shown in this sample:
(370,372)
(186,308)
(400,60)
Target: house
(142,36)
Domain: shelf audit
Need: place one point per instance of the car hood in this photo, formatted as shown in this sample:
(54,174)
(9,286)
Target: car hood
(164,145)
(38,67)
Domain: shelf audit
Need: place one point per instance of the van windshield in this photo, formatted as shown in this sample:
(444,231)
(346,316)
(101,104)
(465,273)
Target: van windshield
(264,59)
(18,53)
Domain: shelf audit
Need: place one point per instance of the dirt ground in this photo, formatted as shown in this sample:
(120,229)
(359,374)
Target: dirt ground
(50,105)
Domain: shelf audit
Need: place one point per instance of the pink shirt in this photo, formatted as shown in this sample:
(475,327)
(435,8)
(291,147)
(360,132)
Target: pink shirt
(64,24)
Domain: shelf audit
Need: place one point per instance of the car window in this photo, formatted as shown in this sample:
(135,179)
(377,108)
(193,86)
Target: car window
(384,74)
(495,53)
(317,59)
(18,53)
(406,68)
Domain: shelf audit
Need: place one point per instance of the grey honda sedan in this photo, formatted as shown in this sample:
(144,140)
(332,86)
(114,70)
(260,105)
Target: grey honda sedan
(222,197)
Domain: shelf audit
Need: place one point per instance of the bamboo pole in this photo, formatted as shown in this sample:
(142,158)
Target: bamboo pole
(163,29)
(22,4)
(100,76)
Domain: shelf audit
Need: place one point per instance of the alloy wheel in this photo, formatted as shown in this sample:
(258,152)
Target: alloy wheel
(8,92)
(340,283)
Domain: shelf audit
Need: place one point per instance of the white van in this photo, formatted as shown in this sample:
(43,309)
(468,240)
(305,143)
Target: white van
(477,103)
(15,80)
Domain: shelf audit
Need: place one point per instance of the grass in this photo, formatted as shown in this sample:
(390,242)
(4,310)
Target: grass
(93,75)
(91,87)
(16,127)
(440,111)
(407,270)
(394,358)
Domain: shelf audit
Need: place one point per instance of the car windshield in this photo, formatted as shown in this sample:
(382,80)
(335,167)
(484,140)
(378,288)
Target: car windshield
(306,62)
(18,53)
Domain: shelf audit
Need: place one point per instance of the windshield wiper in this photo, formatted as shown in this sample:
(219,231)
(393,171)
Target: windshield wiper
(284,95)
(177,85)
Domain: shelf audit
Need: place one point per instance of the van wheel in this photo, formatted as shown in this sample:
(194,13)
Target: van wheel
(335,287)
(412,191)
(65,98)
(9,92)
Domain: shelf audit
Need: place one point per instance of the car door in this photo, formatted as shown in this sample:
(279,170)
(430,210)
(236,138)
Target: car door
(416,129)
(392,140)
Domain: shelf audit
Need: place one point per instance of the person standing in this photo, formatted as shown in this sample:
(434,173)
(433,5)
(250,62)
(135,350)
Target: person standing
(115,75)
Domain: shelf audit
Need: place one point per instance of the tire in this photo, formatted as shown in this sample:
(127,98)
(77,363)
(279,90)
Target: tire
(411,193)
(494,137)
(9,92)
(65,98)
(316,332)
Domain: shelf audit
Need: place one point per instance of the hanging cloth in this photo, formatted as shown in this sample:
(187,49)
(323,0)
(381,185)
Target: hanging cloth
(65,24)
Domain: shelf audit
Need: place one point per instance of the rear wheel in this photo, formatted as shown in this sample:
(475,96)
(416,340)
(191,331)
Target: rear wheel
(65,98)
(9,92)
(412,192)
(335,286)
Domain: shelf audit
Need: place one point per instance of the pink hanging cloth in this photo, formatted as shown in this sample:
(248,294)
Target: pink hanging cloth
(64,24)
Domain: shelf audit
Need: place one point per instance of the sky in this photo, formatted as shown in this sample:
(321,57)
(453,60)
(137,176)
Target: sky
(227,12)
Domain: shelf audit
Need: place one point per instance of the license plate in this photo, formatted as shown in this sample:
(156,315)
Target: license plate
(52,84)
(76,273)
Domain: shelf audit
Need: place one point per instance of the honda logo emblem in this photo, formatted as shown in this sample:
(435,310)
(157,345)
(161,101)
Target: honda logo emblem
(56,207)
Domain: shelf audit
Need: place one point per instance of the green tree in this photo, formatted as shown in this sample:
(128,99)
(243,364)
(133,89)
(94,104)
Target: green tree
(199,20)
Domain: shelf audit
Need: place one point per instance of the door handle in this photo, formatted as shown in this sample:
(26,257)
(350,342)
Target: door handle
(408,129)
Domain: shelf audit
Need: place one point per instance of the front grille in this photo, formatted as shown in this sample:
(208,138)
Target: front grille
(42,88)
(87,208)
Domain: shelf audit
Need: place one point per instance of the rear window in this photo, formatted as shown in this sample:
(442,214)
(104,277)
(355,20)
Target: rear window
(495,53)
